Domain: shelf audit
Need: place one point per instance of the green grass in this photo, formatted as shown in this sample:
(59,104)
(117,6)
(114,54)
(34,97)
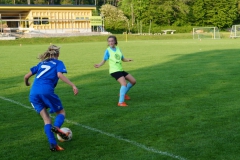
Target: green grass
(103,38)
(93,39)
(186,102)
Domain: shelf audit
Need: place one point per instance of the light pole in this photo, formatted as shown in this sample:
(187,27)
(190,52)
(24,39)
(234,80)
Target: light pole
(1,24)
(102,22)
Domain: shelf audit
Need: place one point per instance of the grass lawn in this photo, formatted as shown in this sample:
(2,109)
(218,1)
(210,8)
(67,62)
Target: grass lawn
(185,104)
(121,37)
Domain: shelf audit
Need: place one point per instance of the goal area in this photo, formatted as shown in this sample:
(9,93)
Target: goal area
(235,31)
(206,33)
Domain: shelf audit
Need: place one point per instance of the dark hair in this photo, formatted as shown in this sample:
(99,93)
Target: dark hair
(115,39)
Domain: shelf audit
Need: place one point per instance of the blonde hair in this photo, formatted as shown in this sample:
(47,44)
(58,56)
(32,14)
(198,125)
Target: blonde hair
(48,55)
(53,48)
(52,52)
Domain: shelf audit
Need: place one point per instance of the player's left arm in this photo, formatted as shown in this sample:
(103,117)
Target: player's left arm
(126,59)
(66,80)
(26,78)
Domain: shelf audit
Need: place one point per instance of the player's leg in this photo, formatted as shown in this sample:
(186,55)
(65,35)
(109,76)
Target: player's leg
(121,79)
(123,90)
(39,105)
(55,105)
(59,120)
(47,128)
(131,81)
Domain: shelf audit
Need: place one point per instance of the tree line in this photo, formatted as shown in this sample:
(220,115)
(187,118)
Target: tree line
(219,13)
(59,2)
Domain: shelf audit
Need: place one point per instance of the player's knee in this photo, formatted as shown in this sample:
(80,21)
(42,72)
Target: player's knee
(47,120)
(62,112)
(133,82)
(124,84)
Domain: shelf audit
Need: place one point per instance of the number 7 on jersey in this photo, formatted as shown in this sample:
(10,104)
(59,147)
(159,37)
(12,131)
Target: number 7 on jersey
(46,68)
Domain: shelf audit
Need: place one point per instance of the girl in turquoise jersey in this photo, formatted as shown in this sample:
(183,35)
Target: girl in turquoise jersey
(115,57)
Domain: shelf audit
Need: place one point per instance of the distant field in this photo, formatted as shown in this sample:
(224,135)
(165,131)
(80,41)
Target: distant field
(185,104)
(132,37)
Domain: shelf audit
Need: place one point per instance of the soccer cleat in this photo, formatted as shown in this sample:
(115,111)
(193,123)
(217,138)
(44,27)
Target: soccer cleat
(60,133)
(56,147)
(126,97)
(123,104)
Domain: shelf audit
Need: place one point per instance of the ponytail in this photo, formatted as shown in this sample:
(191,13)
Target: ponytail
(48,55)
(52,52)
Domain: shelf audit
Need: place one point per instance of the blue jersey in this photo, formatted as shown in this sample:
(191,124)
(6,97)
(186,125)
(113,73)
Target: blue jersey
(107,55)
(46,76)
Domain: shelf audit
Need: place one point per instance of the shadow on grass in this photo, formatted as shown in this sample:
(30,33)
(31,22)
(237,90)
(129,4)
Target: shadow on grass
(188,106)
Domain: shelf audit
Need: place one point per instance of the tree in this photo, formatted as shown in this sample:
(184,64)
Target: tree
(161,12)
(7,2)
(220,13)
(171,11)
(114,18)
(135,10)
(225,13)
(197,13)
(66,2)
(39,2)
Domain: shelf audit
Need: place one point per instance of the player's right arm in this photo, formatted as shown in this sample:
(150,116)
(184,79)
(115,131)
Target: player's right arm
(26,78)
(105,58)
(99,64)
(32,72)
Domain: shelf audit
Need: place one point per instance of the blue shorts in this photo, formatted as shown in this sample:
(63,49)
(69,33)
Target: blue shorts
(40,101)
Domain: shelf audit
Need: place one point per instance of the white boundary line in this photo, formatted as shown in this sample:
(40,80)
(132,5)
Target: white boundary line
(139,145)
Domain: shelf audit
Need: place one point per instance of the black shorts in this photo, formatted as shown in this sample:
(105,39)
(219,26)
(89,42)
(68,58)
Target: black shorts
(119,74)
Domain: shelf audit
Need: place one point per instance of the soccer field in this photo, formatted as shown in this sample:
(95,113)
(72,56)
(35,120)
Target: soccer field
(185,104)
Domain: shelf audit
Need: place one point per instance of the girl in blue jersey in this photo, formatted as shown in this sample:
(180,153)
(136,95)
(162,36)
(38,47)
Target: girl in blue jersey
(42,95)
(115,57)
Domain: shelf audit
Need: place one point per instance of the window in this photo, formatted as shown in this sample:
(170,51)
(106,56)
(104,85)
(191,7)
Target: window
(36,20)
(25,24)
(40,21)
(45,20)
(79,18)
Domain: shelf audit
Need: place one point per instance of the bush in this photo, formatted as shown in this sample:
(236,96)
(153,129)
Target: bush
(182,29)
(3,24)
(155,29)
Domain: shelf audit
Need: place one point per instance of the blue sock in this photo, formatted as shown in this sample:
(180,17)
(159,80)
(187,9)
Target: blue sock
(123,90)
(49,133)
(129,86)
(59,120)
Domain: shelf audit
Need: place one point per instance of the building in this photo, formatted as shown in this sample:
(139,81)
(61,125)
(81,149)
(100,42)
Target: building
(47,18)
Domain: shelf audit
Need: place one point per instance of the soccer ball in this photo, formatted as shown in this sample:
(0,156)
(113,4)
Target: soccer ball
(65,130)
